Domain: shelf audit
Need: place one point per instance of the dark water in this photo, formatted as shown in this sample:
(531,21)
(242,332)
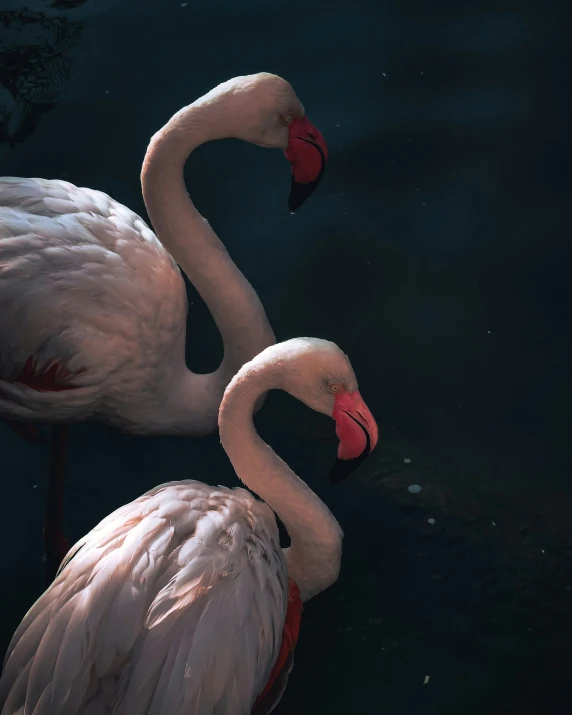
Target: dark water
(436,252)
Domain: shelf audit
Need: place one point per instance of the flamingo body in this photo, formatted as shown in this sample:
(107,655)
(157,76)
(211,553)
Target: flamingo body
(174,603)
(182,601)
(89,293)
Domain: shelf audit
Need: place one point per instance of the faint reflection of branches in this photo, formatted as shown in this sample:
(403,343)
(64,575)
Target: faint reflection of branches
(35,66)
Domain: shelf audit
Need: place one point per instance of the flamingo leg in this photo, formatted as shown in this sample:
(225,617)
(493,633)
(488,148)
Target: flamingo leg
(55,541)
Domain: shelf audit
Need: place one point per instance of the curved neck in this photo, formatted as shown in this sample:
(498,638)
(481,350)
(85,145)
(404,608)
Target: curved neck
(233,303)
(314,556)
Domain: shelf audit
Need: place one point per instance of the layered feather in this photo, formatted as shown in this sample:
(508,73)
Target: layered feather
(83,282)
(172,605)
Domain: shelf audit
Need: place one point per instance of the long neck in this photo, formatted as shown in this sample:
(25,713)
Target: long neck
(314,556)
(233,303)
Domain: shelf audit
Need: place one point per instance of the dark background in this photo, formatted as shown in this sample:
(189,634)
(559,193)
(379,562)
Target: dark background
(436,253)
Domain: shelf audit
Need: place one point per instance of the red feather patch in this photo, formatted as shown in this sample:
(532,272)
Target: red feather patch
(52,379)
(279,673)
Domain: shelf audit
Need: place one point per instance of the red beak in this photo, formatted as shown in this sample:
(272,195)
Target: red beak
(355,425)
(356,430)
(308,153)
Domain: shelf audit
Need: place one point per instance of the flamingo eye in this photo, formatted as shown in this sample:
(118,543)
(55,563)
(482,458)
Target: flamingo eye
(335,387)
(288,119)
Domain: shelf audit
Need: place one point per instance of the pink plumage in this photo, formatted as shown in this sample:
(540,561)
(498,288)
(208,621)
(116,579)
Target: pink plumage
(93,306)
(182,601)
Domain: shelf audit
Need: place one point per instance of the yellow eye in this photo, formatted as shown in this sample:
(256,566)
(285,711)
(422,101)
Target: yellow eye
(288,119)
(335,388)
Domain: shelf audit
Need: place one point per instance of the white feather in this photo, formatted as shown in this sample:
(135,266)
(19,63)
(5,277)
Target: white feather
(173,604)
(74,266)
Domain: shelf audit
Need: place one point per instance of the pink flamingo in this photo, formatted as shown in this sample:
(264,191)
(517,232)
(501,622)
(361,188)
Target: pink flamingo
(183,601)
(92,303)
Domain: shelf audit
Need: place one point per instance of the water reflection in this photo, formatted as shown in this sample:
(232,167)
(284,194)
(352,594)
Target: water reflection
(36,44)
(34,68)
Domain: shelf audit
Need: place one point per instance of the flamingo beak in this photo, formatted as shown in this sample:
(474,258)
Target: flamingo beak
(357,431)
(307,152)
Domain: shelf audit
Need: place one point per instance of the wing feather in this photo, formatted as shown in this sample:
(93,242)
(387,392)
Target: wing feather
(173,605)
(74,264)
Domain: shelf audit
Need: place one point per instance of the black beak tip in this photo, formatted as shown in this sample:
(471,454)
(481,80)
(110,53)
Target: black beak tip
(340,470)
(299,194)
(343,468)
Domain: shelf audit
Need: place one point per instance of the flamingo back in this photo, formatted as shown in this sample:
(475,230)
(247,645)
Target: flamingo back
(84,282)
(173,604)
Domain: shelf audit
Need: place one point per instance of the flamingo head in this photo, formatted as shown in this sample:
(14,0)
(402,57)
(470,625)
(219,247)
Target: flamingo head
(264,110)
(319,374)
